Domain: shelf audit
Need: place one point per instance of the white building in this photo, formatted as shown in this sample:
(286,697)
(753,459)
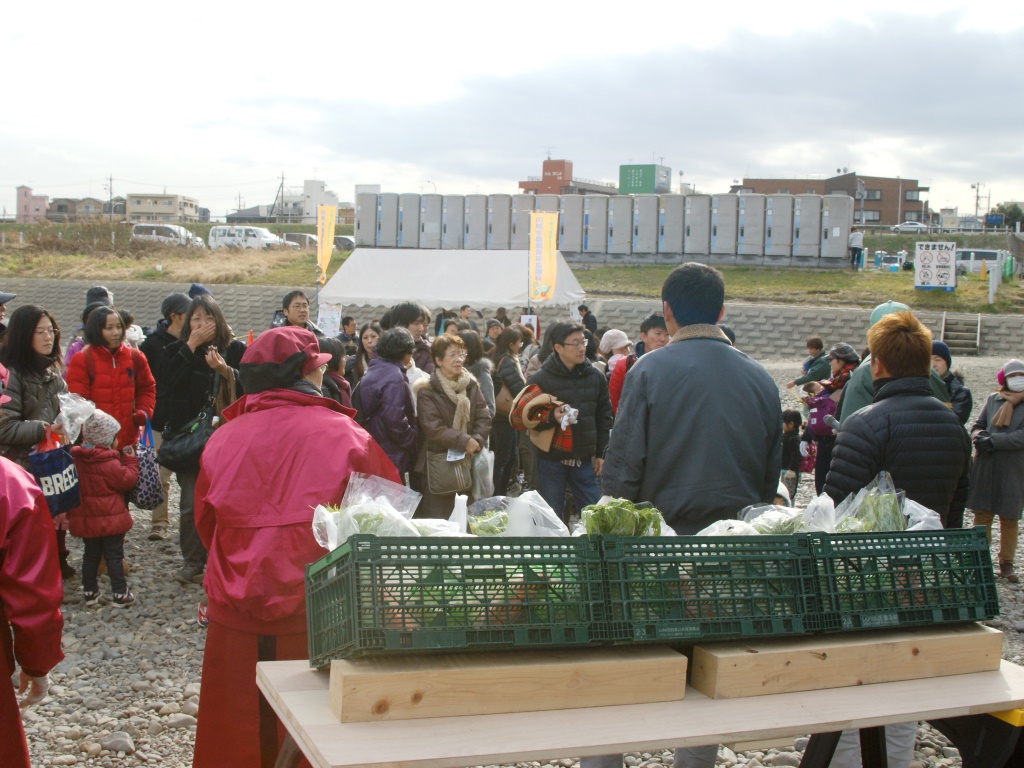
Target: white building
(315,194)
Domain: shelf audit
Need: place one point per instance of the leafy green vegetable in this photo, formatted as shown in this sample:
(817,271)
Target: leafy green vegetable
(619,517)
(489,523)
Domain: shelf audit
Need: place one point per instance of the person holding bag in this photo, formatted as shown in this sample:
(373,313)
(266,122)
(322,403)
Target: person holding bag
(508,382)
(454,423)
(31,353)
(199,376)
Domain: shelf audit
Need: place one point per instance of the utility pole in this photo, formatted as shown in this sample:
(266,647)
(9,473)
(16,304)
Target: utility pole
(977,198)
(110,197)
(899,202)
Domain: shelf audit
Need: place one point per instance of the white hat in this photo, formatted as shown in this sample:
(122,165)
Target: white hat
(612,340)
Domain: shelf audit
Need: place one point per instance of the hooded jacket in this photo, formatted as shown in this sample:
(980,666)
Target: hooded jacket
(960,398)
(912,436)
(30,597)
(119,382)
(388,413)
(104,476)
(279,454)
(32,407)
(859,392)
(585,389)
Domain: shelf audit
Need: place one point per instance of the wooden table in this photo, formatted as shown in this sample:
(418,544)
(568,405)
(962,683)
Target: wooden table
(299,696)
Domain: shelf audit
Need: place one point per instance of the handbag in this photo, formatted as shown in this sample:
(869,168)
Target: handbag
(445,476)
(182,448)
(54,469)
(148,492)
(503,401)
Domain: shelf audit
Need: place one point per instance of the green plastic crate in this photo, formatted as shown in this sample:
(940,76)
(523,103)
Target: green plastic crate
(387,595)
(870,580)
(707,587)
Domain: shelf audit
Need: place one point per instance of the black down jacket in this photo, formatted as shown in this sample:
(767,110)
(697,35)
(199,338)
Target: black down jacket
(912,436)
(586,389)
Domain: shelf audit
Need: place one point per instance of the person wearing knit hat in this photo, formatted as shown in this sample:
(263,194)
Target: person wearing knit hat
(105,475)
(997,475)
(960,398)
(282,450)
(198,289)
(860,390)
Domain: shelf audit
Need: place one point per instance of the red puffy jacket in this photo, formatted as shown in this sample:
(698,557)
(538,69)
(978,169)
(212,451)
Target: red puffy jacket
(261,475)
(30,597)
(104,475)
(119,382)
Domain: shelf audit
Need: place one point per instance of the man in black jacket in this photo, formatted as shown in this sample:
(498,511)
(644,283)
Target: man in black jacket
(576,453)
(918,440)
(173,309)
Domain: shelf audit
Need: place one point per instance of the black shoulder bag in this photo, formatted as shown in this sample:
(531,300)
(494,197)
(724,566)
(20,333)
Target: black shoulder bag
(182,447)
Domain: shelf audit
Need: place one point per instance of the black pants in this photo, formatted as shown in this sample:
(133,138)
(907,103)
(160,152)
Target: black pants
(505,444)
(826,443)
(111,549)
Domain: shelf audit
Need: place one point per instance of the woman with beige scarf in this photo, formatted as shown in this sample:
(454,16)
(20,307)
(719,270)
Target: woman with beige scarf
(997,476)
(453,420)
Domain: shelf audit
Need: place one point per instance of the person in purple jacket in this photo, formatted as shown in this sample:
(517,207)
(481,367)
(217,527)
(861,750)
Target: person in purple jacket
(385,403)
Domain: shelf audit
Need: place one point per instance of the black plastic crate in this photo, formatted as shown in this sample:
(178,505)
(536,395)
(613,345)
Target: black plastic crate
(871,580)
(682,588)
(385,595)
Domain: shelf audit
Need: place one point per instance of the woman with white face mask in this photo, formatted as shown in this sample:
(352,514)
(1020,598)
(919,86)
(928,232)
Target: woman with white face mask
(997,476)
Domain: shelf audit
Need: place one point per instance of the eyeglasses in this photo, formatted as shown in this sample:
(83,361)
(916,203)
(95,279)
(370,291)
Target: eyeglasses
(456,355)
(576,344)
(299,306)
(45,332)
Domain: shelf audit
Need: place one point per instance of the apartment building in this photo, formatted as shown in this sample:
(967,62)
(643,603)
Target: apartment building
(30,207)
(168,208)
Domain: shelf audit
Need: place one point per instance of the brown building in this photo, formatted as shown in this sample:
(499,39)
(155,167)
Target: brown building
(557,179)
(887,201)
(73,208)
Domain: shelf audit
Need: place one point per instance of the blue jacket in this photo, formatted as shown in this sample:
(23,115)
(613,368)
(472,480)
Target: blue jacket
(387,411)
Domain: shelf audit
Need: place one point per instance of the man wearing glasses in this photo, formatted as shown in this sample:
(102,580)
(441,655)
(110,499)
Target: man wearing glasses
(565,408)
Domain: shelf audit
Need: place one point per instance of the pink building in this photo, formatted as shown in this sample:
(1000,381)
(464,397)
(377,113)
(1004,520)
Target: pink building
(30,207)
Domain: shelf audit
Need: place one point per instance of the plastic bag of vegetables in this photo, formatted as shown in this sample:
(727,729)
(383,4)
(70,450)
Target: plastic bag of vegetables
(876,507)
(771,519)
(370,505)
(729,528)
(621,517)
(526,515)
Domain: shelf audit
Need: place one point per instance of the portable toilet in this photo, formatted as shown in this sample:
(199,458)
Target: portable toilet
(836,222)
(548,203)
(430,221)
(366,220)
(499,222)
(697,228)
(646,209)
(522,206)
(670,227)
(806,230)
(778,230)
(408,221)
(387,220)
(724,213)
(475,223)
(453,209)
(750,230)
(620,224)
(570,224)
(595,227)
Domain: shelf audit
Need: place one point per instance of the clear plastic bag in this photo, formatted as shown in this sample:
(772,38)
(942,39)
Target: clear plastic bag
(820,514)
(483,474)
(920,518)
(428,526)
(75,410)
(874,508)
(772,519)
(621,517)
(362,487)
(459,515)
(526,515)
(370,505)
(729,528)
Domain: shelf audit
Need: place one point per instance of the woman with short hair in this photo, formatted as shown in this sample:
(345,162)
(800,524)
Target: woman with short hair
(452,416)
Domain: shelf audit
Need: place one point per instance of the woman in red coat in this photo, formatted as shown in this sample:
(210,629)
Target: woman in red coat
(283,449)
(30,597)
(113,375)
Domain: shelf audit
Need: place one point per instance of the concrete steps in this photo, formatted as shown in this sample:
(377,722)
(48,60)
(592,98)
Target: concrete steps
(960,332)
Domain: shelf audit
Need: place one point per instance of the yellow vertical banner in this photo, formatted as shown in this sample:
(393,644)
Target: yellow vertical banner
(543,254)
(325,218)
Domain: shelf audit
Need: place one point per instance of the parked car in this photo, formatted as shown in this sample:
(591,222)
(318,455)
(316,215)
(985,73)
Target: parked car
(301,239)
(891,262)
(970,259)
(169,234)
(344,243)
(911,227)
(245,236)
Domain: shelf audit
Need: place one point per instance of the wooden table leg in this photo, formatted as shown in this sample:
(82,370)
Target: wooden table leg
(289,755)
(820,748)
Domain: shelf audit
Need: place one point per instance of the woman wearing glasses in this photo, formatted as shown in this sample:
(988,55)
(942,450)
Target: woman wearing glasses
(454,422)
(31,353)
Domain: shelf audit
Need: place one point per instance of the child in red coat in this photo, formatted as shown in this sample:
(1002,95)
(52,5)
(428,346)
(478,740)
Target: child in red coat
(102,519)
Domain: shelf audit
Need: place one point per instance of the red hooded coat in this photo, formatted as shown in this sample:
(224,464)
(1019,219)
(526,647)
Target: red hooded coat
(104,476)
(30,597)
(119,382)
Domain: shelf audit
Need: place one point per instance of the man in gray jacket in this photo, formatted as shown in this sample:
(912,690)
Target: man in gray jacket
(699,427)
(698,432)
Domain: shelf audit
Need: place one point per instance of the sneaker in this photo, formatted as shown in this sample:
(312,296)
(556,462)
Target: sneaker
(158,532)
(190,573)
(202,619)
(91,598)
(123,600)
(1006,571)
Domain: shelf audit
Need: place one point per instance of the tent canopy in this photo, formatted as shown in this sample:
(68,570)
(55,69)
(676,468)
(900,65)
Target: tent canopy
(386,276)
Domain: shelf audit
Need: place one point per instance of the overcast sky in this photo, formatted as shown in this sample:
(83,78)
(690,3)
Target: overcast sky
(218,103)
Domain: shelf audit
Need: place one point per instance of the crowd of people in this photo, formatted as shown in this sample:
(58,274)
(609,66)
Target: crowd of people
(681,419)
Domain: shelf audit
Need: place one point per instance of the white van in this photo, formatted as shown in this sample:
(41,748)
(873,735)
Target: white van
(170,234)
(245,236)
(969,259)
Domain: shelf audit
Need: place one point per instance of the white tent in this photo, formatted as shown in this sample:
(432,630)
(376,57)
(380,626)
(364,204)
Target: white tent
(386,276)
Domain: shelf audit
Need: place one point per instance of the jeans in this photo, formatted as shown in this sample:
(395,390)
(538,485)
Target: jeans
(855,256)
(685,757)
(111,549)
(505,444)
(554,476)
(192,549)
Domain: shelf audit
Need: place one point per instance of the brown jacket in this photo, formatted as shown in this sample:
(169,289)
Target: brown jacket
(435,414)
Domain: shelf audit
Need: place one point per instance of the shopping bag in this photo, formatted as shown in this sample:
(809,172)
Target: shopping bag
(54,469)
(483,474)
(148,493)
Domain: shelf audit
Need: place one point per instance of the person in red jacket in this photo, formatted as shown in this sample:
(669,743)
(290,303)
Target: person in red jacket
(284,448)
(30,597)
(113,375)
(652,336)
(102,518)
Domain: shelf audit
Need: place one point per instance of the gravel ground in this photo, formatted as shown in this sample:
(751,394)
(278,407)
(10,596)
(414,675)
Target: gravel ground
(127,692)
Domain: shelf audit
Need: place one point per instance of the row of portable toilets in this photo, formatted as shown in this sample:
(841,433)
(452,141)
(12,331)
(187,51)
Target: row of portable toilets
(774,230)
